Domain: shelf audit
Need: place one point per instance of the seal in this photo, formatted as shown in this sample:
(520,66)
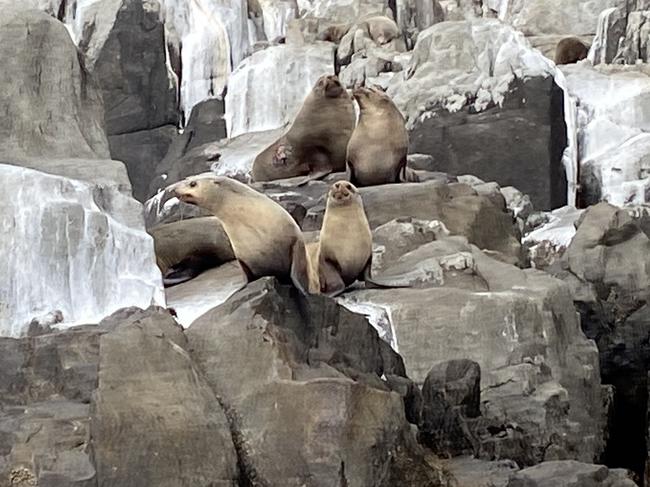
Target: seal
(570,50)
(381,29)
(333,33)
(344,250)
(265,239)
(315,144)
(379,144)
(186,248)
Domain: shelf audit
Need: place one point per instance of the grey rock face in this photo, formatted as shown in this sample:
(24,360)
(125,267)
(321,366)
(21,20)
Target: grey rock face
(569,474)
(466,142)
(607,267)
(521,328)
(51,106)
(302,386)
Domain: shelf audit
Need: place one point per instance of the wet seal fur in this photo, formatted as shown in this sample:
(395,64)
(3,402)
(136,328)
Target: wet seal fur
(379,144)
(265,239)
(570,50)
(316,142)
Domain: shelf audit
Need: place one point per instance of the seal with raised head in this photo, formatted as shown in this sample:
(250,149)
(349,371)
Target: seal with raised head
(317,140)
(344,252)
(264,238)
(570,50)
(379,144)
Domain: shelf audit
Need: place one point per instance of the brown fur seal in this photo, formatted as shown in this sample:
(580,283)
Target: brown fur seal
(379,144)
(344,249)
(381,29)
(186,248)
(334,33)
(265,239)
(317,140)
(570,50)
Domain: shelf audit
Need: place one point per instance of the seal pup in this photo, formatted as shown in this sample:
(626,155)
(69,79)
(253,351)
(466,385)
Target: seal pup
(265,239)
(570,50)
(316,142)
(379,144)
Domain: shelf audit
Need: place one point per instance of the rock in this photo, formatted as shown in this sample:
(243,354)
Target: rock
(539,374)
(213,287)
(604,265)
(458,105)
(611,28)
(612,131)
(547,241)
(457,206)
(287,380)
(142,152)
(46,383)
(451,393)
(73,245)
(153,407)
(569,474)
(137,89)
(51,106)
(480,473)
(340,12)
(283,76)
(418,15)
(275,16)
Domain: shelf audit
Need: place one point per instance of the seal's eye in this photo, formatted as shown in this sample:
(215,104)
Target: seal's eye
(192,184)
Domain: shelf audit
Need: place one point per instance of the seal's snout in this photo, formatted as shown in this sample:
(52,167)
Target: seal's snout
(184,191)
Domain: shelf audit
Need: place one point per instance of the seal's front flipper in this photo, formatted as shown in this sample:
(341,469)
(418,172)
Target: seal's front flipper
(331,282)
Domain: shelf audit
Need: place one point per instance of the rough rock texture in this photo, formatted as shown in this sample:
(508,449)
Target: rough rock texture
(470,107)
(124,46)
(282,76)
(612,126)
(302,388)
(51,106)
(608,269)
(74,246)
(155,419)
(539,373)
(569,474)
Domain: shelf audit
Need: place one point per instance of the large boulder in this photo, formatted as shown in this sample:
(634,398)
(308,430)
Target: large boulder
(481,101)
(302,382)
(539,374)
(613,131)
(156,421)
(570,474)
(608,270)
(51,106)
(123,42)
(69,245)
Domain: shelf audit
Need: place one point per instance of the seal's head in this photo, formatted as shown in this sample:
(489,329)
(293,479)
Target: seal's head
(329,86)
(342,193)
(205,191)
(371,97)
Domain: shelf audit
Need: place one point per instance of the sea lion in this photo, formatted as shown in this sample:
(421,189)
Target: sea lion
(381,29)
(265,239)
(379,144)
(316,142)
(186,248)
(570,50)
(333,33)
(344,250)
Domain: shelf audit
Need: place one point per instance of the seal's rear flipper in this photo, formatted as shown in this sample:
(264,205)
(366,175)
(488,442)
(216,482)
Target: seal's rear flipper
(188,269)
(378,283)
(316,176)
(300,267)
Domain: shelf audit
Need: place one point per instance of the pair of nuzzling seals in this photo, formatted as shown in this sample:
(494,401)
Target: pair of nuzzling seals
(266,241)
(323,139)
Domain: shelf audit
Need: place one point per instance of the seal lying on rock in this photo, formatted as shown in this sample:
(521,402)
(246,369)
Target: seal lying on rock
(379,144)
(316,142)
(264,238)
(186,248)
(570,50)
